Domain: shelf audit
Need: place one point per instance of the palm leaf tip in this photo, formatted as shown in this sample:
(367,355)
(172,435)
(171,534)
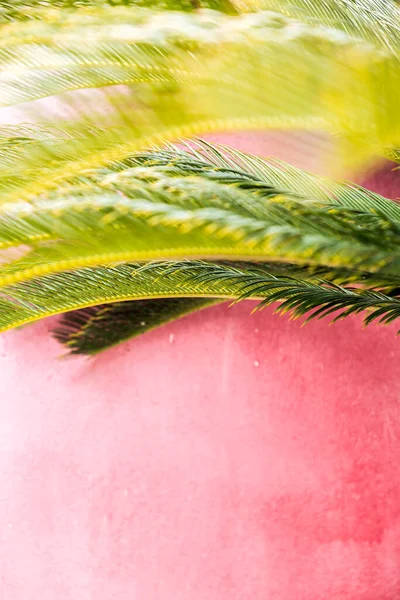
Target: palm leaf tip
(295,294)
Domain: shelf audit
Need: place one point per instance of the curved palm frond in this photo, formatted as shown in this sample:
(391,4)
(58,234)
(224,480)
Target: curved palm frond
(188,74)
(373,20)
(376,21)
(145,219)
(268,176)
(298,296)
(27,302)
(173,203)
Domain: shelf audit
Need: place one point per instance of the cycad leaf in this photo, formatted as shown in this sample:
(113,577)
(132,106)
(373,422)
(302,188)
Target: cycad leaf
(169,175)
(317,297)
(191,217)
(97,328)
(94,329)
(193,73)
(209,201)
(62,292)
(377,21)
(55,294)
(266,176)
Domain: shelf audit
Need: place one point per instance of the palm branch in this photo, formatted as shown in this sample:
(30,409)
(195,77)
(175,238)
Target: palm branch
(104,219)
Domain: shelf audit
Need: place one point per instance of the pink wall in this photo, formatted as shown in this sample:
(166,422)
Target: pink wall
(225,457)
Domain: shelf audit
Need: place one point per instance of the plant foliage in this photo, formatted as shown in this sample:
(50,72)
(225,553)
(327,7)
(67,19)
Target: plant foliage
(104,218)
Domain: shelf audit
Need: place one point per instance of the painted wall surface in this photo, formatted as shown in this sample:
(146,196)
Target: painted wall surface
(228,456)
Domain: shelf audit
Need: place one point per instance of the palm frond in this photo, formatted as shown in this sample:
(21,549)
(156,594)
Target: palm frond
(199,201)
(55,294)
(376,21)
(188,74)
(318,297)
(190,217)
(82,288)
(267,176)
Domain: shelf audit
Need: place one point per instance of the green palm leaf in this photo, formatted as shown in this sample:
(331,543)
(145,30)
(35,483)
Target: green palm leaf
(32,300)
(296,295)
(266,176)
(190,217)
(176,204)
